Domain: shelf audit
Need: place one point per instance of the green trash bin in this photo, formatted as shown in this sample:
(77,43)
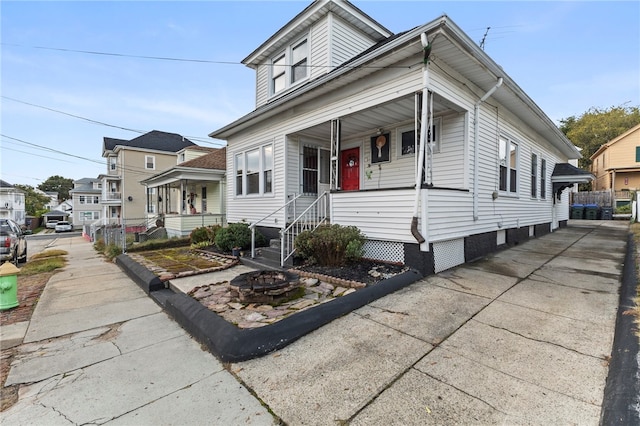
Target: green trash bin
(577,211)
(606,213)
(591,211)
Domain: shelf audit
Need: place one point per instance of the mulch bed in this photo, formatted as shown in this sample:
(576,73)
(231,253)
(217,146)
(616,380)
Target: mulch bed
(365,271)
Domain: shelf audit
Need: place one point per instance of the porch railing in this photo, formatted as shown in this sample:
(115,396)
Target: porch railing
(288,204)
(313,216)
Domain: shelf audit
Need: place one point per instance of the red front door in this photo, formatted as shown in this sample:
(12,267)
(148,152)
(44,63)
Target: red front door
(350,169)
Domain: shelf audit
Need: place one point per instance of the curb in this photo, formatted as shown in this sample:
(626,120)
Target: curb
(232,344)
(145,279)
(621,402)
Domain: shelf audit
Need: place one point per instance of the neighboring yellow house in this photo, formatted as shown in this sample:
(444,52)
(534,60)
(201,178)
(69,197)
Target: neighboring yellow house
(616,165)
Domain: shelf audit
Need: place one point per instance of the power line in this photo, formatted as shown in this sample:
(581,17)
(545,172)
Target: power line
(73,115)
(172,59)
(199,138)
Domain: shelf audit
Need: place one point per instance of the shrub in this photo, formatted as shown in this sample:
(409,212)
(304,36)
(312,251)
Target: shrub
(112,250)
(205,234)
(237,235)
(99,245)
(331,245)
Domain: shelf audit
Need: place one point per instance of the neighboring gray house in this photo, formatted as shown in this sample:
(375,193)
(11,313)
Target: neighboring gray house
(341,128)
(85,198)
(12,205)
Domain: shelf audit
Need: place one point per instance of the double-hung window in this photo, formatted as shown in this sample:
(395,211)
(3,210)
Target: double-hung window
(254,171)
(543,178)
(534,176)
(508,157)
(149,162)
(290,66)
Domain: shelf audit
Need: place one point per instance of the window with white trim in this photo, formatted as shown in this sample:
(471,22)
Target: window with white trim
(290,66)
(113,162)
(316,165)
(254,171)
(149,162)
(407,144)
(534,175)
(84,216)
(543,178)
(508,157)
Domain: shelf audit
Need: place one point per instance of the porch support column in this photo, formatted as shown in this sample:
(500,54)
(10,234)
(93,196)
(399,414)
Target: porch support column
(183,196)
(335,152)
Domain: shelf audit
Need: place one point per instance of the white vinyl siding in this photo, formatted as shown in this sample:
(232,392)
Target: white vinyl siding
(346,41)
(384,210)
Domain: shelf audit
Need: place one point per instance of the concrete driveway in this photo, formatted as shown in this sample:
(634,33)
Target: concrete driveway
(521,337)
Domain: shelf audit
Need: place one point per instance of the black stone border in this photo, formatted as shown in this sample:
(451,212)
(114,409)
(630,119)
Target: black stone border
(622,389)
(232,344)
(145,279)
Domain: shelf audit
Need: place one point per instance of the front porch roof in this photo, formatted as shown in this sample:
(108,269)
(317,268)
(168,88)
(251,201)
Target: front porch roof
(179,173)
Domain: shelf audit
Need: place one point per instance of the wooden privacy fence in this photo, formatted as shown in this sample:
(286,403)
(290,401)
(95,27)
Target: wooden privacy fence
(601,198)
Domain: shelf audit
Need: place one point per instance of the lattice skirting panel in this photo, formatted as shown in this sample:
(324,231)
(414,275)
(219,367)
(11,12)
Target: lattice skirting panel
(447,254)
(387,251)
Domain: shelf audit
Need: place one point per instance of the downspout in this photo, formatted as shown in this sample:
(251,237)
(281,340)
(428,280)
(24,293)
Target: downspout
(476,139)
(426,47)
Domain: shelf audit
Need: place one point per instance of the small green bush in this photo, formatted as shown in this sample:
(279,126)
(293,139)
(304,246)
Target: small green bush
(237,235)
(330,245)
(99,245)
(112,250)
(626,209)
(205,234)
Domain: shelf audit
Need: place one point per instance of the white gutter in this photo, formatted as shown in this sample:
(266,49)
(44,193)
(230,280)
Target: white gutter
(476,139)
(423,136)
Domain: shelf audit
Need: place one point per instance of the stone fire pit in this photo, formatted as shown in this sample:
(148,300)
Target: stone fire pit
(270,287)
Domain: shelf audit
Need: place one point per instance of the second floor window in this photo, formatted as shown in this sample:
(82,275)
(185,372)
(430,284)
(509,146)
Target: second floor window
(290,67)
(149,162)
(113,162)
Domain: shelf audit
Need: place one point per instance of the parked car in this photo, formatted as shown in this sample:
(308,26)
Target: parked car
(51,224)
(13,245)
(63,226)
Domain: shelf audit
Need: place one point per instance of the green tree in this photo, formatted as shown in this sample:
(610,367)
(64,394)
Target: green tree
(34,202)
(597,127)
(57,184)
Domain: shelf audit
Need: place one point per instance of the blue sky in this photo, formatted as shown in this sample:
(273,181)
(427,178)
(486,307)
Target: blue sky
(567,56)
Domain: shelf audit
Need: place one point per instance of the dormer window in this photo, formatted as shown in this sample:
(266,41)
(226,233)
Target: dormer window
(290,67)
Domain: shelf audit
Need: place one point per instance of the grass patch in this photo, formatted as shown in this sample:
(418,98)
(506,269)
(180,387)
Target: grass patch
(179,259)
(49,253)
(38,266)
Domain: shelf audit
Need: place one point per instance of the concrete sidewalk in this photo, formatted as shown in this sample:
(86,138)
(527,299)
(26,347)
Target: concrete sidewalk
(99,351)
(521,337)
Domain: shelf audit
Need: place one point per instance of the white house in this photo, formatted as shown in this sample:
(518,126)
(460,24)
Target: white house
(338,128)
(86,197)
(12,203)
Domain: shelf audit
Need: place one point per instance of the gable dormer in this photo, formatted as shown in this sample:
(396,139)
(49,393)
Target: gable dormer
(323,36)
